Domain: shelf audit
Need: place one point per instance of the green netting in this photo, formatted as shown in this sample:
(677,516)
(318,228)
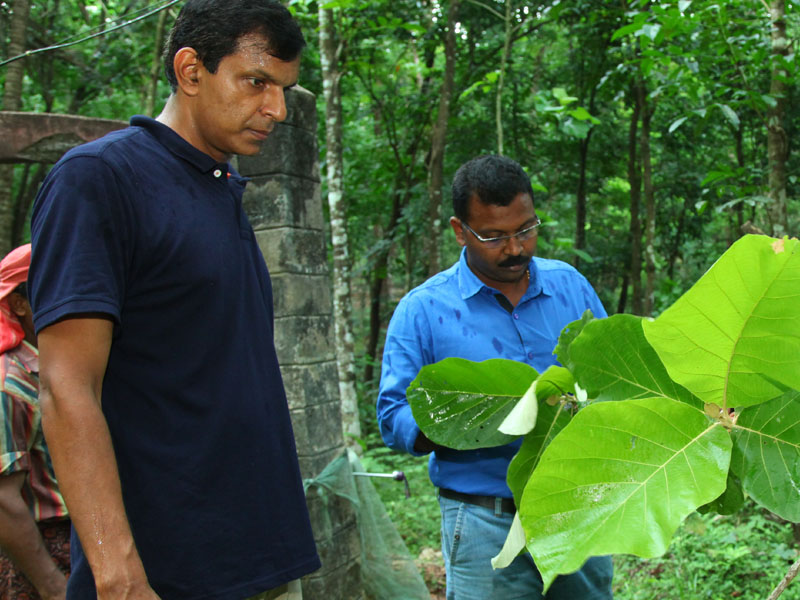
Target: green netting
(388,571)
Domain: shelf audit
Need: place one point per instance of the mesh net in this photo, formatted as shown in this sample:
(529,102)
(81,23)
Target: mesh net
(388,571)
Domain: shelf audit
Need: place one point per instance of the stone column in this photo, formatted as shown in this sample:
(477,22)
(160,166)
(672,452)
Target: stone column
(284,205)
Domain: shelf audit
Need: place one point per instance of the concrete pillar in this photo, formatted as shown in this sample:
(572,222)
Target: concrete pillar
(284,205)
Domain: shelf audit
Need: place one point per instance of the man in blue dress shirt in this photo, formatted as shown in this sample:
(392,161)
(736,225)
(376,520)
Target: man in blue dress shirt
(497,301)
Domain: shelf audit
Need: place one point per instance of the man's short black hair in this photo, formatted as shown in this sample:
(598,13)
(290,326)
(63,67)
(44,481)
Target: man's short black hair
(213,28)
(492,179)
(21,289)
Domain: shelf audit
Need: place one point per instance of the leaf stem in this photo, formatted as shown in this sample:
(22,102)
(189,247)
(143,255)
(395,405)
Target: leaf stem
(791,574)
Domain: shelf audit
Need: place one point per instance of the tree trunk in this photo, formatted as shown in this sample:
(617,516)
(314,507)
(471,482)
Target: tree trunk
(650,207)
(12,100)
(777,142)
(438,139)
(379,274)
(342,307)
(635,181)
(509,31)
(155,67)
(580,199)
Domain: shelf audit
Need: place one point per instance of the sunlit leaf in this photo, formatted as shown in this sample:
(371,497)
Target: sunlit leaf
(730,114)
(766,454)
(677,123)
(620,478)
(561,95)
(460,404)
(612,360)
(738,327)
(625,30)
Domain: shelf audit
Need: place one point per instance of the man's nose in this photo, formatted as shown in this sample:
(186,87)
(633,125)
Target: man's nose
(274,104)
(513,246)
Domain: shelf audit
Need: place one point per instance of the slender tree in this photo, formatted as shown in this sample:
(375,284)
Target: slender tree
(155,66)
(330,59)
(649,202)
(438,139)
(777,140)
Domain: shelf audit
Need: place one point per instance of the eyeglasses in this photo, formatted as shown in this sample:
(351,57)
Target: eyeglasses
(496,242)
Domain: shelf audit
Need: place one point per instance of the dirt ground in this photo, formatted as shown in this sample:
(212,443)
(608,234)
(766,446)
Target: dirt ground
(431,565)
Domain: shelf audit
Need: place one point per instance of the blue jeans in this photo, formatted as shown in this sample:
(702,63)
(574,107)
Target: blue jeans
(472,535)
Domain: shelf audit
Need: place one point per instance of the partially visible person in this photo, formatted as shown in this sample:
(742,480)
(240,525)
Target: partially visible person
(497,301)
(34,527)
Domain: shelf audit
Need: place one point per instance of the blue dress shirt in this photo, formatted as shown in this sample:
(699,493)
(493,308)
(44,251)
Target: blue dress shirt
(454,314)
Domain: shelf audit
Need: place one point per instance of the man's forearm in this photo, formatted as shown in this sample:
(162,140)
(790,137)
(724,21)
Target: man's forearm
(22,542)
(83,458)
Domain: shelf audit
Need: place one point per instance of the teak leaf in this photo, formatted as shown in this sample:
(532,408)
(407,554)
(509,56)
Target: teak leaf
(738,327)
(766,454)
(612,360)
(552,419)
(460,404)
(620,477)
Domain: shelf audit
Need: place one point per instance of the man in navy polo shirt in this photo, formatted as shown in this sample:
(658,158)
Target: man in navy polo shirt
(497,301)
(164,408)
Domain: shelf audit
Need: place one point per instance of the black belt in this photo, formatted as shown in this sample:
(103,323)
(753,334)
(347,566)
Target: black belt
(490,502)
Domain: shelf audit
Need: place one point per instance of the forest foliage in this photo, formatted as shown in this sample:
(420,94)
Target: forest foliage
(648,128)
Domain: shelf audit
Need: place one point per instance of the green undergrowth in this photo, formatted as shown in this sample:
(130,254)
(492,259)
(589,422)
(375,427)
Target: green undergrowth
(713,557)
(743,556)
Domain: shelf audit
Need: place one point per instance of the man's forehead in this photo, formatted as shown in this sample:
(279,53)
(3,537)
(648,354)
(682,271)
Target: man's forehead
(254,43)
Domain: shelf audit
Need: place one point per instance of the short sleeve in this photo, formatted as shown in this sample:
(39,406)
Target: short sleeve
(81,247)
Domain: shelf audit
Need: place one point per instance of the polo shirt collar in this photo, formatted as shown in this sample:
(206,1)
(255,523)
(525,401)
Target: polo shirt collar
(173,142)
(469,284)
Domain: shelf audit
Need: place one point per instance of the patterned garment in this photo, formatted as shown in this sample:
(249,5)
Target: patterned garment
(13,584)
(22,445)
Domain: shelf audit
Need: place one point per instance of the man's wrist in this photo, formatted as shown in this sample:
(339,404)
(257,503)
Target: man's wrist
(121,579)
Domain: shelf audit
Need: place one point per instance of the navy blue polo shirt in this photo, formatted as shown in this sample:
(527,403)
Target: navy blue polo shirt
(145,228)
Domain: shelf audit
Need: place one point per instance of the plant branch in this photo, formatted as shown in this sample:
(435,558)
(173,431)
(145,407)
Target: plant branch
(786,581)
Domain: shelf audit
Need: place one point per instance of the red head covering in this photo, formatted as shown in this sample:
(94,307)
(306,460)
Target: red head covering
(13,271)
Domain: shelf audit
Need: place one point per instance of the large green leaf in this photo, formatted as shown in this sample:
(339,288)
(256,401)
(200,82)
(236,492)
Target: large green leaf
(568,335)
(612,360)
(552,419)
(619,478)
(737,327)
(460,404)
(766,454)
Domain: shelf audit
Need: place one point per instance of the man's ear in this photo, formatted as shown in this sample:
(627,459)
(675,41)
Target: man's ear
(455,223)
(188,67)
(18,304)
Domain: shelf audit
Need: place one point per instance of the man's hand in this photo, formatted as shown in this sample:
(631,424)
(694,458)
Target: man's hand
(424,445)
(21,540)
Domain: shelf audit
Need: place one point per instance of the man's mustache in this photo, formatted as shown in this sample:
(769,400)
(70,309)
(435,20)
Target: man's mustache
(513,261)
